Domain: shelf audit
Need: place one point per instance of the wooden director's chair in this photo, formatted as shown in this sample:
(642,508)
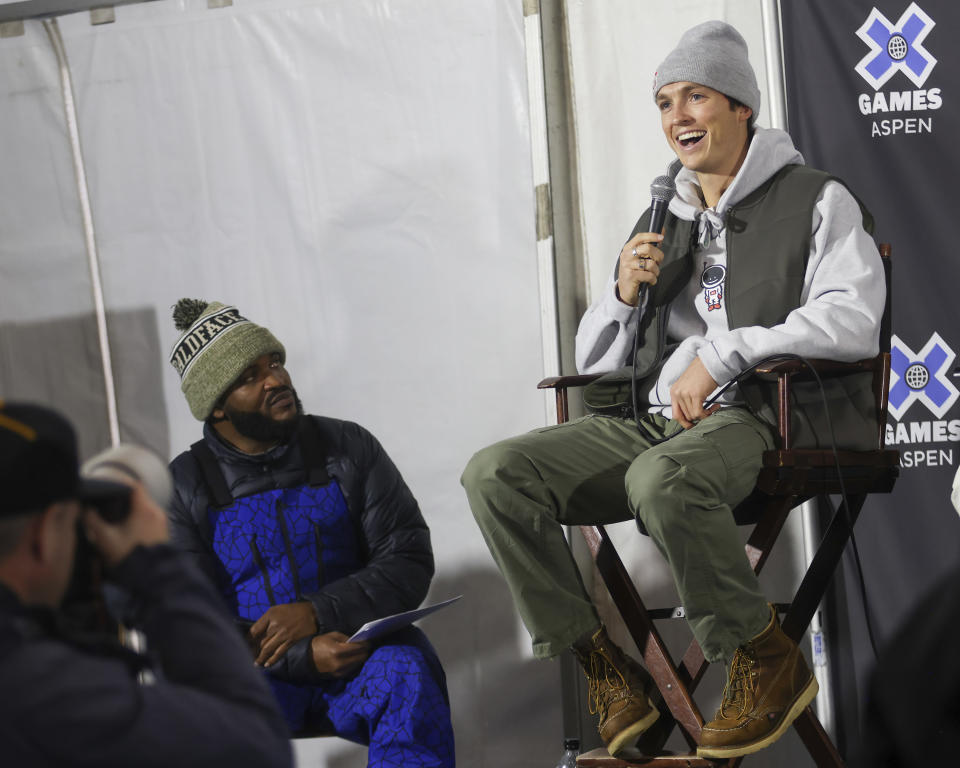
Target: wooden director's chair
(788,478)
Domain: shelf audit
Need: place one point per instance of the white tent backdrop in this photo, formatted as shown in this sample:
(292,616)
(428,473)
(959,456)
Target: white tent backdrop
(354,174)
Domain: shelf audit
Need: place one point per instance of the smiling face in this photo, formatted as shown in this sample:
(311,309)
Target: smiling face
(707,132)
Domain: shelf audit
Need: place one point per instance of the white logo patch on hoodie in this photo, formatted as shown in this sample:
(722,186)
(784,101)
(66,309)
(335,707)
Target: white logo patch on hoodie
(711,279)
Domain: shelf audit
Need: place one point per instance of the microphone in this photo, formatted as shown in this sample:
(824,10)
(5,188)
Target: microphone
(662,191)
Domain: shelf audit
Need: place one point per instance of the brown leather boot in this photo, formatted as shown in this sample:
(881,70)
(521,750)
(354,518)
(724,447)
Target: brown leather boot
(617,691)
(769,685)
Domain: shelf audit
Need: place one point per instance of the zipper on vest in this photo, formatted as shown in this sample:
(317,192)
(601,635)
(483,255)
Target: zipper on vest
(318,542)
(663,318)
(258,559)
(288,548)
(726,278)
(662,333)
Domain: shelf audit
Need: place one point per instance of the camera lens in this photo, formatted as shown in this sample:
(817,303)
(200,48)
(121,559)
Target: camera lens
(114,509)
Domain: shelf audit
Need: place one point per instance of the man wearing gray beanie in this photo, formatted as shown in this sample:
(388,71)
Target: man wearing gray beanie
(759,255)
(308,531)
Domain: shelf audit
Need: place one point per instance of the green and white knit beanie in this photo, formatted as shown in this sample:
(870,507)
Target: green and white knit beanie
(217,345)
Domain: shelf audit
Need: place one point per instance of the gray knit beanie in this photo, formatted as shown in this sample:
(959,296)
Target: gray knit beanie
(713,54)
(217,344)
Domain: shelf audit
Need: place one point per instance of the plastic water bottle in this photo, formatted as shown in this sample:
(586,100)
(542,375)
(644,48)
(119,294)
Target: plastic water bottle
(571,748)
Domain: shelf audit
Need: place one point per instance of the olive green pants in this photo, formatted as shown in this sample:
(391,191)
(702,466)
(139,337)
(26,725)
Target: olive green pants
(599,470)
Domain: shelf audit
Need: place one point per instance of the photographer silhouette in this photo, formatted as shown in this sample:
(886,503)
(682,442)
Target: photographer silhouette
(77,699)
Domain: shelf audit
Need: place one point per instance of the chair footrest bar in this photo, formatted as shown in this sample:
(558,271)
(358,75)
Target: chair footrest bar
(600,757)
(678,611)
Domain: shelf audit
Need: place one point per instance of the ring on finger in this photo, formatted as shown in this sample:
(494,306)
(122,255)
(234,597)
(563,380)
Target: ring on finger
(635,252)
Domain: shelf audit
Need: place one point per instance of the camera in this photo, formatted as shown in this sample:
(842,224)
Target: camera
(113,504)
(91,603)
(87,603)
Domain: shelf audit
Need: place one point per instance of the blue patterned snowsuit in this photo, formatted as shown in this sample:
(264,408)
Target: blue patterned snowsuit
(355,545)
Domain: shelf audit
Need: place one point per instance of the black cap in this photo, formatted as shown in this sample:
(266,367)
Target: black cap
(38,461)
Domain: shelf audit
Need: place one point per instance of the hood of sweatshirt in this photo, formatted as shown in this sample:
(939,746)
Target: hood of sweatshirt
(770,149)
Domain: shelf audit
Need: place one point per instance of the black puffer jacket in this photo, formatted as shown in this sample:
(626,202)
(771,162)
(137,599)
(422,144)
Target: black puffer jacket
(393,537)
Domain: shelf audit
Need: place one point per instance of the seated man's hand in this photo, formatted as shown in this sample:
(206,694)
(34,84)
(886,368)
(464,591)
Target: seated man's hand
(334,656)
(688,393)
(279,628)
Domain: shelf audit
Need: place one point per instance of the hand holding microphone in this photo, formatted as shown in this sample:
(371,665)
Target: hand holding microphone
(640,257)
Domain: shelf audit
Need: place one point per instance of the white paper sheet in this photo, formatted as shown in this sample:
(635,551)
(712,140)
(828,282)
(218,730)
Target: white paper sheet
(388,624)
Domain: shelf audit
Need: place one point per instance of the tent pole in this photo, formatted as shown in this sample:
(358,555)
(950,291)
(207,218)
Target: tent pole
(93,259)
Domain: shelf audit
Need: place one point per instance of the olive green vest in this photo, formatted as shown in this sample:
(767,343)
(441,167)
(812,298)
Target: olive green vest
(768,244)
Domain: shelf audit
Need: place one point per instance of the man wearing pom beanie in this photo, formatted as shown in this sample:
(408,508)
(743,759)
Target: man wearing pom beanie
(309,532)
(759,256)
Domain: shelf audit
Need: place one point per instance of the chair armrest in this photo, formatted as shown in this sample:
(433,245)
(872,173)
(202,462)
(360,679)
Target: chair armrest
(560,385)
(823,367)
(785,372)
(565,382)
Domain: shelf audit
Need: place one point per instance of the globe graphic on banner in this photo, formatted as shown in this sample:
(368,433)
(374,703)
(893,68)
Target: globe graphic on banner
(916,376)
(897,48)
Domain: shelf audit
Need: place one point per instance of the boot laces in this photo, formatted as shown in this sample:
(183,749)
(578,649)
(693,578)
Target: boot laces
(600,681)
(738,692)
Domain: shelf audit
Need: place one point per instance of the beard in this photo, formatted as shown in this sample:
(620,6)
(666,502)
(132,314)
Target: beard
(257,426)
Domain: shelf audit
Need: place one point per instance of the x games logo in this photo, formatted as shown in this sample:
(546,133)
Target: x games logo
(896,47)
(921,376)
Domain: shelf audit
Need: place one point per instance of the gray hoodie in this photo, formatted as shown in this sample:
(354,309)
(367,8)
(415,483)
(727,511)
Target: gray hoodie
(841,302)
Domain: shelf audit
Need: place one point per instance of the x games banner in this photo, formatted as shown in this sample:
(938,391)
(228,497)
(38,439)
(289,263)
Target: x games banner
(873,93)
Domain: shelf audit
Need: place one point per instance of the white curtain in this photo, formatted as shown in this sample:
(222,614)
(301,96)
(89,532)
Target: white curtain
(353,174)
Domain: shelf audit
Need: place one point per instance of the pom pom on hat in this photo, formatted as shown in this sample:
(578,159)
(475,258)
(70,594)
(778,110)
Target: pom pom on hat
(187,311)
